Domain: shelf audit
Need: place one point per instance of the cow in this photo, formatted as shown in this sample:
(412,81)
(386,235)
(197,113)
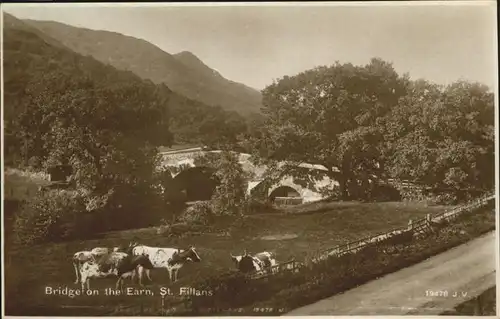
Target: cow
(172,259)
(113,264)
(140,270)
(82,256)
(263,261)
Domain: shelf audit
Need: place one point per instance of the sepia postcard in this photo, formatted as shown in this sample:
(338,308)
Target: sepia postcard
(250,159)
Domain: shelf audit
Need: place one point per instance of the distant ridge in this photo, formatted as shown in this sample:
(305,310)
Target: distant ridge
(183,72)
(35,62)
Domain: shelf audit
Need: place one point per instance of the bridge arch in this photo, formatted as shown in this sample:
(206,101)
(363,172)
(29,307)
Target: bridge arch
(284,191)
(195,183)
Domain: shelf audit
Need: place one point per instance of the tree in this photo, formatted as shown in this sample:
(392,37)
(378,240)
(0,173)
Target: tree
(104,133)
(328,116)
(229,196)
(442,136)
(220,129)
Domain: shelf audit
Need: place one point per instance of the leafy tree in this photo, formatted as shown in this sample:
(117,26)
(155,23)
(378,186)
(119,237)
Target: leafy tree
(229,195)
(64,108)
(328,116)
(68,109)
(104,133)
(442,136)
(195,122)
(220,129)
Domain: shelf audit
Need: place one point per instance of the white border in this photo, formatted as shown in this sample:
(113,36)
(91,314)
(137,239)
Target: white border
(263,4)
(278,4)
(497,171)
(2,164)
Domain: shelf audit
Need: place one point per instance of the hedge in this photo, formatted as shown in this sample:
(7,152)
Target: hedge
(51,216)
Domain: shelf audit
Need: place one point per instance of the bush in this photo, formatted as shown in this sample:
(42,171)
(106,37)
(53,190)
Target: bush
(199,213)
(51,216)
(129,207)
(229,195)
(385,193)
(445,199)
(413,194)
(179,229)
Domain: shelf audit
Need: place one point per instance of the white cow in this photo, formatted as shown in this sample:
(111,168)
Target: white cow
(114,264)
(170,258)
(82,256)
(263,261)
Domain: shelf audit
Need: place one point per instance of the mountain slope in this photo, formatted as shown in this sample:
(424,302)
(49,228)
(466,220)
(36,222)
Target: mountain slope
(183,73)
(9,21)
(37,67)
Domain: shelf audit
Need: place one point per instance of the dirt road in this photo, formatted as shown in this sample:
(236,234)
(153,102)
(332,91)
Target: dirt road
(428,288)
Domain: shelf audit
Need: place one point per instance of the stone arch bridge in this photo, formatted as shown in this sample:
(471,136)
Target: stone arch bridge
(197,183)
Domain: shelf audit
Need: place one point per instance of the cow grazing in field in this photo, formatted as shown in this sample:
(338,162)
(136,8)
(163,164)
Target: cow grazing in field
(140,270)
(113,264)
(263,261)
(82,256)
(172,259)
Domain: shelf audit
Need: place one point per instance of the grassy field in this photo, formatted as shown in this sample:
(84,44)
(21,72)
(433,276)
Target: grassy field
(294,234)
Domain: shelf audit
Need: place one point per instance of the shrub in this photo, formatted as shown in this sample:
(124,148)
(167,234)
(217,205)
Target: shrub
(445,199)
(199,213)
(163,230)
(413,194)
(179,229)
(229,195)
(385,193)
(129,206)
(51,216)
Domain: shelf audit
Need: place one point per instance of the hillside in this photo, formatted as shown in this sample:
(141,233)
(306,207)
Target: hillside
(36,65)
(184,73)
(10,22)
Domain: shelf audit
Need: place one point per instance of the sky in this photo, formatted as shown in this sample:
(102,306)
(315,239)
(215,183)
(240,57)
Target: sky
(254,44)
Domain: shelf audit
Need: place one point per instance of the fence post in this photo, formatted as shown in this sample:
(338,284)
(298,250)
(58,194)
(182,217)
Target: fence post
(428,219)
(410,224)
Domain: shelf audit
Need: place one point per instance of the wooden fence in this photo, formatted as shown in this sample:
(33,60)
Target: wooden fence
(418,226)
(289,266)
(455,212)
